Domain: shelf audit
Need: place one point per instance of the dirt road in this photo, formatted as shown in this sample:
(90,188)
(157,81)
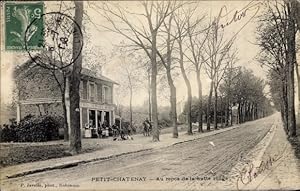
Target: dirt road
(191,165)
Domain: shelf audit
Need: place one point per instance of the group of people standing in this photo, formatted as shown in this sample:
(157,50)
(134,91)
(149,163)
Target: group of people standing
(117,131)
(121,132)
(103,130)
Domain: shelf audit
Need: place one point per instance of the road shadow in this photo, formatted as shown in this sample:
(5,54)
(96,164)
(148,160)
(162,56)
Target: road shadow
(295,142)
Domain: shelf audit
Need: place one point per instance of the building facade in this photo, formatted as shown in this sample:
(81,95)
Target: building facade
(39,93)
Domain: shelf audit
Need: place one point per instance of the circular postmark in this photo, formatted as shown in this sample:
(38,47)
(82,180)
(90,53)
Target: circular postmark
(60,43)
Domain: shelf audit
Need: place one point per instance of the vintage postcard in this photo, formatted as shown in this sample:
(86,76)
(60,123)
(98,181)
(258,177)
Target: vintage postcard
(150,95)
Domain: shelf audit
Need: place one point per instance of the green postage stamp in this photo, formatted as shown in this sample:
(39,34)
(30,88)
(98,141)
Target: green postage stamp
(18,16)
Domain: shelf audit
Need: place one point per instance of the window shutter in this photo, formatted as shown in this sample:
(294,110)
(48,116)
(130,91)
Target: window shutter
(109,95)
(84,91)
(88,90)
(99,92)
(96,93)
(103,94)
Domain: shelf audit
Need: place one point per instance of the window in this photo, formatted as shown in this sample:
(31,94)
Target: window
(99,93)
(81,89)
(92,92)
(106,94)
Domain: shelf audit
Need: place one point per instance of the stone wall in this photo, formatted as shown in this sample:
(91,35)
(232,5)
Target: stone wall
(39,84)
(42,109)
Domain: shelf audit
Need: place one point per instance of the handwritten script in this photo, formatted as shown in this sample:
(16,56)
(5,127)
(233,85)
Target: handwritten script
(249,172)
(253,7)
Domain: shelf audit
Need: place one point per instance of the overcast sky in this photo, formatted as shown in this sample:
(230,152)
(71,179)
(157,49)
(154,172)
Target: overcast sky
(245,43)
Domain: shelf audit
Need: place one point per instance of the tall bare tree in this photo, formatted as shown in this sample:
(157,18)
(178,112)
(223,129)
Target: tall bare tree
(197,38)
(168,62)
(291,59)
(230,80)
(143,36)
(279,54)
(274,57)
(216,50)
(75,135)
(130,76)
(220,71)
(181,24)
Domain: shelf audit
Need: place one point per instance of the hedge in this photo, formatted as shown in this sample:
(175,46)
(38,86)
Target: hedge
(32,129)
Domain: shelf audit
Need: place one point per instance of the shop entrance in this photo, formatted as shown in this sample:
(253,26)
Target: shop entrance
(99,114)
(107,118)
(92,119)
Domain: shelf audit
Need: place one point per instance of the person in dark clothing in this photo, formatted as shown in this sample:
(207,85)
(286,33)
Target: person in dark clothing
(99,131)
(115,130)
(122,132)
(147,127)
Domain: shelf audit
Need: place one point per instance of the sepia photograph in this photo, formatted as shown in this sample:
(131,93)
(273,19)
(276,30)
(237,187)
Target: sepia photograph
(150,95)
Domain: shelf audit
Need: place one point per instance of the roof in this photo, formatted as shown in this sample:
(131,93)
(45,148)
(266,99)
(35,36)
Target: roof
(90,73)
(85,71)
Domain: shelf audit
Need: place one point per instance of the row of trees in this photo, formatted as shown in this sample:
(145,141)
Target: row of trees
(175,37)
(241,98)
(170,34)
(277,39)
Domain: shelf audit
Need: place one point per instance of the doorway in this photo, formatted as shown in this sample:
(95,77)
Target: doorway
(107,117)
(92,119)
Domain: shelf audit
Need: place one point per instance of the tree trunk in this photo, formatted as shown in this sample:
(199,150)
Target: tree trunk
(231,116)
(155,130)
(189,90)
(296,10)
(66,126)
(64,95)
(130,106)
(244,112)
(291,101)
(149,97)
(248,111)
(226,111)
(298,86)
(173,99)
(252,113)
(238,114)
(75,136)
(63,101)
(222,113)
(284,100)
(173,113)
(291,60)
(200,112)
(208,106)
(216,108)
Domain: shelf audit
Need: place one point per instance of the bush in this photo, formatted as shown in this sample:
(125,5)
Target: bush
(32,129)
(165,122)
(8,132)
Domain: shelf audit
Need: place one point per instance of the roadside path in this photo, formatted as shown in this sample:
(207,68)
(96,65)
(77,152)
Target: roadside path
(211,155)
(110,149)
(279,167)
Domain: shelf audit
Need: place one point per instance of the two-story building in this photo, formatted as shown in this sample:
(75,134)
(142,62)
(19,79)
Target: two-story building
(39,93)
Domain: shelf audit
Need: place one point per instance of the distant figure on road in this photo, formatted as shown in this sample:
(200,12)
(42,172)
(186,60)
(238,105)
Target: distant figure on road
(147,127)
